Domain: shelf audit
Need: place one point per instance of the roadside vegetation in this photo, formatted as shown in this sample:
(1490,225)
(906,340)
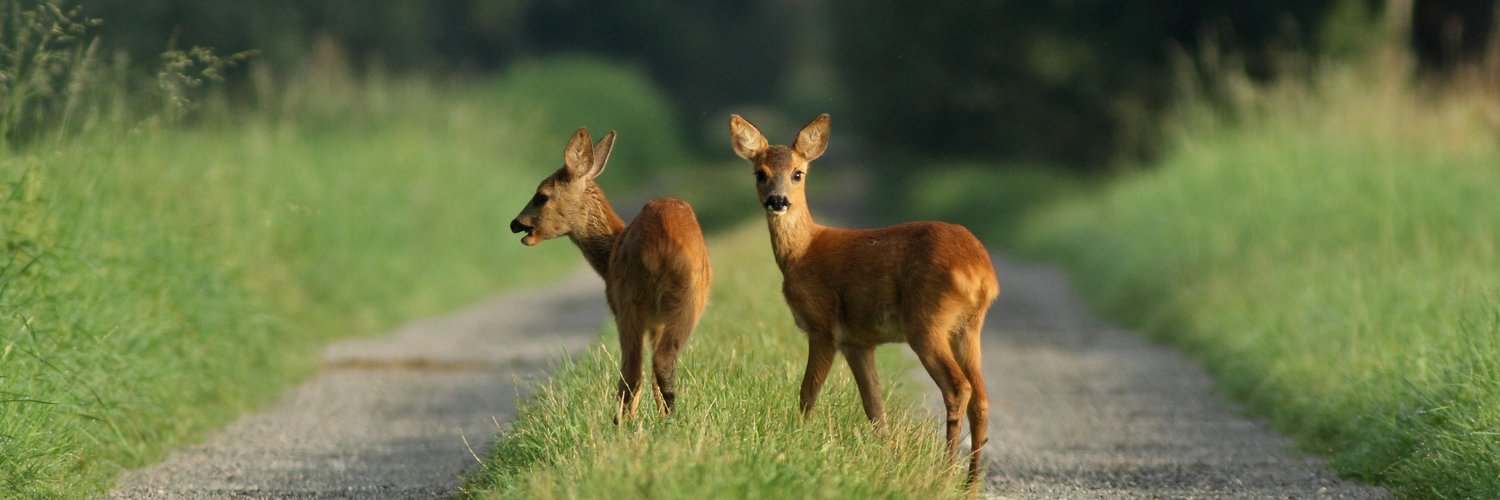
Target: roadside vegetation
(1326,247)
(174,257)
(736,432)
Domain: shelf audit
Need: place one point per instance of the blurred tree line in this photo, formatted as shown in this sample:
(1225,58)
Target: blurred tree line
(1056,81)
(1074,82)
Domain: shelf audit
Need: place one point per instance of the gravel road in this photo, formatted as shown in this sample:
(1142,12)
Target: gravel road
(387,417)
(1080,409)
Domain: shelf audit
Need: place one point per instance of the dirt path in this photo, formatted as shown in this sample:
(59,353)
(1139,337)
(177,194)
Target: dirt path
(387,417)
(1079,409)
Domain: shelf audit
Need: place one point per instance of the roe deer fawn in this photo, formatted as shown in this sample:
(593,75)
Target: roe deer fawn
(655,270)
(928,284)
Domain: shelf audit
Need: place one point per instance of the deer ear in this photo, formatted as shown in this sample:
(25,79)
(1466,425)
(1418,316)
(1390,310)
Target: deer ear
(578,157)
(747,141)
(812,141)
(601,154)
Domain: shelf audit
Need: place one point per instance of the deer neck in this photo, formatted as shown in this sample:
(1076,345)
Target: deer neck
(791,235)
(595,236)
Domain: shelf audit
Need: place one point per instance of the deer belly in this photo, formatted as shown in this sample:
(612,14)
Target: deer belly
(890,330)
(874,322)
(875,325)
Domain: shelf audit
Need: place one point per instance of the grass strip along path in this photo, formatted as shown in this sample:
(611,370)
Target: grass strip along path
(736,432)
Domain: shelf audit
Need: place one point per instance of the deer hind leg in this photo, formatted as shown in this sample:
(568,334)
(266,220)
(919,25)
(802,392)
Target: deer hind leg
(669,343)
(967,349)
(631,345)
(931,342)
(862,364)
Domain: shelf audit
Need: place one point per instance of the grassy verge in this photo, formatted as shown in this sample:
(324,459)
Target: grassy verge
(158,281)
(1328,251)
(736,433)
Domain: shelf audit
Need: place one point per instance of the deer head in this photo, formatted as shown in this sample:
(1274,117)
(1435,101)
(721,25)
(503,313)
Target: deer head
(780,171)
(564,200)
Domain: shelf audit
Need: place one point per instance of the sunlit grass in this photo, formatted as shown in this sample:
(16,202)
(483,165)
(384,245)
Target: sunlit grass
(736,432)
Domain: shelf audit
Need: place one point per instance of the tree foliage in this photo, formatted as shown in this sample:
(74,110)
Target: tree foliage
(1062,81)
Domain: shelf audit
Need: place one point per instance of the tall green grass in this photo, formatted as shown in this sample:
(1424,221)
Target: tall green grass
(736,432)
(159,279)
(1328,249)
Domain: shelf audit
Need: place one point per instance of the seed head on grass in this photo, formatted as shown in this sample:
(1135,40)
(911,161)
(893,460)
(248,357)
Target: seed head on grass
(183,73)
(42,49)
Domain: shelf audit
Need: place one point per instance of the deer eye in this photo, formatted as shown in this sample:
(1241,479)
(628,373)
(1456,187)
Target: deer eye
(539,200)
(760,176)
(797,176)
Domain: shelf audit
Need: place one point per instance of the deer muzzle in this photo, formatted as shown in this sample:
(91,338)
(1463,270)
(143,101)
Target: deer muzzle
(530,239)
(777,204)
(516,226)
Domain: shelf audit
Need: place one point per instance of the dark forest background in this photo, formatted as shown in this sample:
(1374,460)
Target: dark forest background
(1066,82)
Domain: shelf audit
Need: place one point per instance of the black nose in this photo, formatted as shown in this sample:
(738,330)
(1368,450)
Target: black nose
(516,226)
(777,203)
